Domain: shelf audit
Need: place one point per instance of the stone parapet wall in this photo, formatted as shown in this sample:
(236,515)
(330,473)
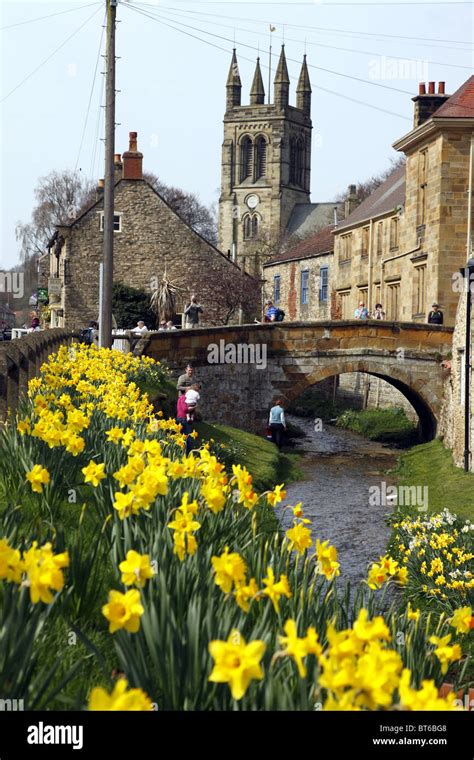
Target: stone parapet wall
(20,361)
(300,354)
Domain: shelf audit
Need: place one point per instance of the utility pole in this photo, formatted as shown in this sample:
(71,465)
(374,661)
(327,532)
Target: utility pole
(105,319)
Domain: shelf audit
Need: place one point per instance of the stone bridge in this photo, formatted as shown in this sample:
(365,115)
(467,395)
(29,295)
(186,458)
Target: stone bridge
(244,368)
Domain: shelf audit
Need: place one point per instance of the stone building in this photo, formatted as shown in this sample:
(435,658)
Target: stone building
(297,280)
(453,418)
(403,244)
(149,240)
(266,167)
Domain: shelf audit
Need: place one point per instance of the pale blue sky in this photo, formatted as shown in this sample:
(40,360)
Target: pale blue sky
(173,85)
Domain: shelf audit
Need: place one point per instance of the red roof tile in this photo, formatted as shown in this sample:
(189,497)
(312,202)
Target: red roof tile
(314,245)
(460,105)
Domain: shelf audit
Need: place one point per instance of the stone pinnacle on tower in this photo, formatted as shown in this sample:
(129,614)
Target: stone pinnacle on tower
(233,85)
(303,90)
(281,82)
(257,93)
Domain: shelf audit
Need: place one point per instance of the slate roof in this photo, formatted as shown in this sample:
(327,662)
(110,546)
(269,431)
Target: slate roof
(314,245)
(307,218)
(385,198)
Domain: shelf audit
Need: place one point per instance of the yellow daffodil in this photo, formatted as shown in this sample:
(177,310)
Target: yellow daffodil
(43,571)
(236,663)
(278,494)
(136,569)
(37,477)
(121,698)
(445,653)
(426,698)
(275,590)
(94,473)
(294,646)
(462,620)
(245,593)
(10,562)
(299,538)
(327,559)
(229,569)
(123,611)
(411,613)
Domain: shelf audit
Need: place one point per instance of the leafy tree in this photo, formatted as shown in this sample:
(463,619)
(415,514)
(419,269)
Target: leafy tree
(130,305)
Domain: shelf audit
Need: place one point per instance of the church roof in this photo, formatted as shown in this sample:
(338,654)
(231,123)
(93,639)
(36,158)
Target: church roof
(460,105)
(258,89)
(233,78)
(307,218)
(314,245)
(281,74)
(384,199)
(304,85)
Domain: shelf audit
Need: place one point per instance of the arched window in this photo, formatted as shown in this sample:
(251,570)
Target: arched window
(247,227)
(255,227)
(246,158)
(250,225)
(300,162)
(293,160)
(261,158)
(297,161)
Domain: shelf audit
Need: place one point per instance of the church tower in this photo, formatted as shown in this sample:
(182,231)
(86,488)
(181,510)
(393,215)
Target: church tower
(266,163)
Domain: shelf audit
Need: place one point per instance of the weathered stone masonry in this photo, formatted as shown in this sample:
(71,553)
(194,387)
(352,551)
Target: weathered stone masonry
(302,354)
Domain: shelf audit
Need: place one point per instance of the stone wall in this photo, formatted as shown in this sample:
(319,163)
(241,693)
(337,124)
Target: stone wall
(21,359)
(298,355)
(363,391)
(290,287)
(452,422)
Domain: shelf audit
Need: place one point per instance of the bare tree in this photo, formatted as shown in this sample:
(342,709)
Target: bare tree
(60,198)
(367,187)
(200,218)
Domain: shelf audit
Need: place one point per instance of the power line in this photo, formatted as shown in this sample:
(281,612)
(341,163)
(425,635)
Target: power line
(348,32)
(292,60)
(41,18)
(2,100)
(318,44)
(226,50)
(91,94)
(329,3)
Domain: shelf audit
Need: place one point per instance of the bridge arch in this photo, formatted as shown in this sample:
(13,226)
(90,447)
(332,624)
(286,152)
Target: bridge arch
(420,397)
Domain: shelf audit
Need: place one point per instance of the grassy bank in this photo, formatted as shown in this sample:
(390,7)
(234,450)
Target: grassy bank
(432,465)
(261,457)
(234,446)
(385,425)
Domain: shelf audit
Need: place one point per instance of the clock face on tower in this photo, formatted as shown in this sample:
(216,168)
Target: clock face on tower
(252,201)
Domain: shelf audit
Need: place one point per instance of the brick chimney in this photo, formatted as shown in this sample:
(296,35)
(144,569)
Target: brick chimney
(99,191)
(351,201)
(132,160)
(118,167)
(426,103)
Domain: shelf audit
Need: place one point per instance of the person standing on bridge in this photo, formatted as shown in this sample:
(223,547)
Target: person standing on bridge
(191,313)
(435,317)
(277,422)
(378,312)
(361,312)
